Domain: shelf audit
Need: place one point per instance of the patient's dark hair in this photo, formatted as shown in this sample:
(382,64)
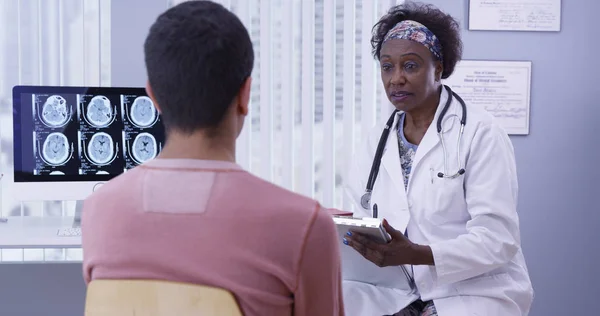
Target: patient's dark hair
(198,54)
(444,26)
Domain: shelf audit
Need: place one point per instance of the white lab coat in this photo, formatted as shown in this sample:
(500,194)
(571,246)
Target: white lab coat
(470,222)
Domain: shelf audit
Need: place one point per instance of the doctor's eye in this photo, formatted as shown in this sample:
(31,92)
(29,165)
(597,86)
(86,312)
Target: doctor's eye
(411,66)
(386,67)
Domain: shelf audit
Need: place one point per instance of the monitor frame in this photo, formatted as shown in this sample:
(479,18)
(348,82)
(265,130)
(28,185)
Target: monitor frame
(28,187)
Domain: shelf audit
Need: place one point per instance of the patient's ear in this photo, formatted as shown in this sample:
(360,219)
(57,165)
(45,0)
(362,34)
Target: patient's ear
(244,97)
(151,95)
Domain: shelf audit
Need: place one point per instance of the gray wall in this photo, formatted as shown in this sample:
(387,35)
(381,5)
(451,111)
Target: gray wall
(558,179)
(51,289)
(558,174)
(131,20)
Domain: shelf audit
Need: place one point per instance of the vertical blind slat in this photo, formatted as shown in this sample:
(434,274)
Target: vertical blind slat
(40,61)
(386,106)
(105,42)
(288,96)
(329,149)
(19,75)
(19,43)
(307,98)
(91,34)
(349,86)
(266,91)
(51,42)
(39,43)
(368,87)
(244,142)
(61,43)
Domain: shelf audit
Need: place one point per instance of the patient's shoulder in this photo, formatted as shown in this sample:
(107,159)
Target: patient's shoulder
(118,190)
(254,193)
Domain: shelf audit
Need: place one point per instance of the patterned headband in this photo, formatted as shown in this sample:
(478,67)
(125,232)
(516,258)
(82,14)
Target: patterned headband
(416,32)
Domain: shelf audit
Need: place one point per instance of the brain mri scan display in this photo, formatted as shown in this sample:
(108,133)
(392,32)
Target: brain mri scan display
(101,148)
(143,112)
(144,147)
(99,111)
(55,111)
(67,134)
(55,150)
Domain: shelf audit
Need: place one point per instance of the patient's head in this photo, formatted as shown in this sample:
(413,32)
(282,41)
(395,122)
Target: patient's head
(199,59)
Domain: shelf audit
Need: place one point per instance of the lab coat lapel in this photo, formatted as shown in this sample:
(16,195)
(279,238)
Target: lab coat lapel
(431,139)
(391,158)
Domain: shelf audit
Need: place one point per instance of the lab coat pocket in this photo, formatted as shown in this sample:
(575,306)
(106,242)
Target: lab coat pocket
(483,295)
(446,200)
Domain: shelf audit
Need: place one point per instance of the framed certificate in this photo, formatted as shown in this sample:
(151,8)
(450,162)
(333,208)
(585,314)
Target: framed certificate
(503,88)
(515,15)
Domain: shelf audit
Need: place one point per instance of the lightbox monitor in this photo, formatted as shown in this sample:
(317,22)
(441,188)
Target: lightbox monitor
(68,141)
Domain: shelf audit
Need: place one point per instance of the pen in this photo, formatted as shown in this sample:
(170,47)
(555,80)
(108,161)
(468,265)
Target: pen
(375,210)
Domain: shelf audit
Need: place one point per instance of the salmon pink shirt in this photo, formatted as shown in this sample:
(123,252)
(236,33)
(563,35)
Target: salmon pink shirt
(212,223)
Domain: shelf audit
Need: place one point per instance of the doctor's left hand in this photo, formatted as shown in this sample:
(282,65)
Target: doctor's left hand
(400,250)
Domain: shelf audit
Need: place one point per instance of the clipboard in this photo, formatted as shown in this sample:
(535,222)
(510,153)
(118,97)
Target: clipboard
(356,268)
(372,227)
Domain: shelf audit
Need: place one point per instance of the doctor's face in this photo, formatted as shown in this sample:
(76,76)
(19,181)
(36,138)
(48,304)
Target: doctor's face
(409,73)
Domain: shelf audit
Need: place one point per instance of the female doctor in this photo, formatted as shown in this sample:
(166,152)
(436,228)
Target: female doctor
(446,186)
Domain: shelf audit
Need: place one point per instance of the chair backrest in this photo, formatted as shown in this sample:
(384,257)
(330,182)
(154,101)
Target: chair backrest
(157,298)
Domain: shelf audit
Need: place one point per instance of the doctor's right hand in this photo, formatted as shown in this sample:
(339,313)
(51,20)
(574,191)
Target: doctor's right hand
(399,251)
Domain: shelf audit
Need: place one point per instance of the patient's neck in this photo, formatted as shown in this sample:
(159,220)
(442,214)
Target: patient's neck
(199,145)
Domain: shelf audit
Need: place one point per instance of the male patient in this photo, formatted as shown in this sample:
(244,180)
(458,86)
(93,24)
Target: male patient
(193,215)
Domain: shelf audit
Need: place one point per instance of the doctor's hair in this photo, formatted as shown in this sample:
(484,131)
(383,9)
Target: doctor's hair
(198,55)
(444,26)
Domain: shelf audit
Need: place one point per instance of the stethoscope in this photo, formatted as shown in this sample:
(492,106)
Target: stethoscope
(365,200)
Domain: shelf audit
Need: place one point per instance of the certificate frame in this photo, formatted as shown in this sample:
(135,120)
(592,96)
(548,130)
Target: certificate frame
(472,26)
(526,66)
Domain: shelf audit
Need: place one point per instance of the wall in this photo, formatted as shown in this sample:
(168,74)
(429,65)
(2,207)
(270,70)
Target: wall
(49,289)
(131,20)
(558,161)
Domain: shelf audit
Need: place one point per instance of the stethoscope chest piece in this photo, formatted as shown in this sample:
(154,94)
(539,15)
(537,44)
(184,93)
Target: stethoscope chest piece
(365,200)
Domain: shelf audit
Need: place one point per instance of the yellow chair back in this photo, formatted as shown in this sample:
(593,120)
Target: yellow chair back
(157,298)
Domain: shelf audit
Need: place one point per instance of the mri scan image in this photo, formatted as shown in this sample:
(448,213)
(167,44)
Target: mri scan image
(99,111)
(144,147)
(143,112)
(54,111)
(55,149)
(101,148)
